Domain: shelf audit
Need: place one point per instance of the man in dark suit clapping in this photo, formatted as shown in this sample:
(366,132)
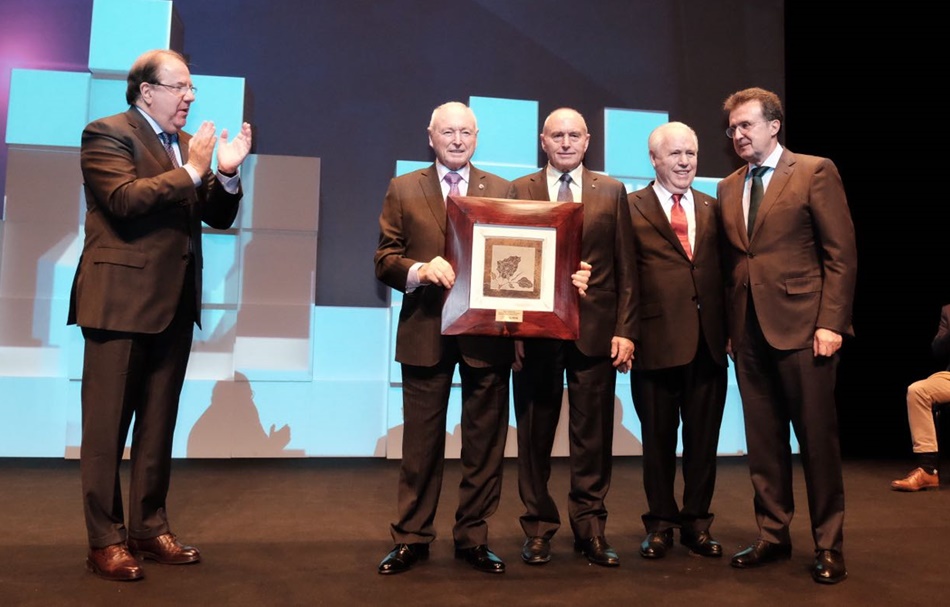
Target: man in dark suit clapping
(137,297)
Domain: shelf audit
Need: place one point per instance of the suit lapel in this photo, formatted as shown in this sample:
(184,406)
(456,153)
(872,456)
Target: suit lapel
(649,206)
(432,192)
(731,202)
(143,131)
(476,182)
(780,177)
(538,188)
(701,211)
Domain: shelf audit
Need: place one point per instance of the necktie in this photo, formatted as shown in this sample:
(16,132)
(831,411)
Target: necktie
(755,194)
(167,141)
(452,178)
(680,224)
(564,193)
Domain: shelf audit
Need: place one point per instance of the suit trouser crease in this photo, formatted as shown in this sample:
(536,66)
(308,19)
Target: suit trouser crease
(779,387)
(591,383)
(695,393)
(484,427)
(132,379)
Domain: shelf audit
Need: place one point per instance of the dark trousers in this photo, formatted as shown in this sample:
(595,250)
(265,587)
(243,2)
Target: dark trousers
(131,378)
(695,392)
(538,390)
(484,427)
(779,387)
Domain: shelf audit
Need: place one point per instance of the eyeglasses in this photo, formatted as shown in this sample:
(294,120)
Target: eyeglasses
(742,127)
(180,89)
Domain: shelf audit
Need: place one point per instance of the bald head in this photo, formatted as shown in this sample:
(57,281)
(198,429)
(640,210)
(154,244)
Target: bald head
(564,138)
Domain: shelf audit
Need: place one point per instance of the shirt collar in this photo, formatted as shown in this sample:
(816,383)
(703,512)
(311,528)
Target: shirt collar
(553,175)
(465,171)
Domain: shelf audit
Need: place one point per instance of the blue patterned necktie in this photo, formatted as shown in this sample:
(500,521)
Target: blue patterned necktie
(167,141)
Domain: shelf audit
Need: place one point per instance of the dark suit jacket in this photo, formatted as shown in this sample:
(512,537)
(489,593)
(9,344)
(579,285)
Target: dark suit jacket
(606,244)
(411,230)
(672,287)
(140,217)
(801,261)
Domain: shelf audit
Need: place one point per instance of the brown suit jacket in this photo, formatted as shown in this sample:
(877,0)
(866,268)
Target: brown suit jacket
(140,217)
(606,244)
(800,263)
(411,230)
(673,287)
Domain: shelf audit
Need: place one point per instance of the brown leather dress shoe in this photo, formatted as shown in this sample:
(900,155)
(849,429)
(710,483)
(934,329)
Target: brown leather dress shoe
(829,567)
(915,481)
(598,551)
(165,549)
(115,563)
(701,543)
(760,553)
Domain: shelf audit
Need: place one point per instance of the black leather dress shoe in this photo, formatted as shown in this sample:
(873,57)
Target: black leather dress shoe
(481,558)
(656,543)
(829,567)
(701,543)
(760,553)
(597,551)
(536,551)
(402,557)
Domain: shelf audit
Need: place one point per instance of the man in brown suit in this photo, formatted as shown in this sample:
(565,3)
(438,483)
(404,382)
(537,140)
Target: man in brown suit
(680,367)
(791,262)
(137,297)
(605,345)
(409,258)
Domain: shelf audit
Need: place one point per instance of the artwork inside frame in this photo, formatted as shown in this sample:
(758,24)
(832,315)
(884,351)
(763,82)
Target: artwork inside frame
(513,267)
(513,261)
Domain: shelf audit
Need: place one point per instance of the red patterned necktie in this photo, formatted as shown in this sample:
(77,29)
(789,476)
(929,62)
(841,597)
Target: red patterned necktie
(169,150)
(680,225)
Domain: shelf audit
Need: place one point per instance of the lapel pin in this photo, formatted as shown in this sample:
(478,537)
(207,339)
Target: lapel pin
(481,186)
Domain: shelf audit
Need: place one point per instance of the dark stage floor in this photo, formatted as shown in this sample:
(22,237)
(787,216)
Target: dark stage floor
(311,532)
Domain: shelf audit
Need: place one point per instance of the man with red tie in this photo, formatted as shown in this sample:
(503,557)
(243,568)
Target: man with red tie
(680,367)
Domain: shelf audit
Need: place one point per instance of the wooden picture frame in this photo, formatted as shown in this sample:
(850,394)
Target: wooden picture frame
(513,261)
